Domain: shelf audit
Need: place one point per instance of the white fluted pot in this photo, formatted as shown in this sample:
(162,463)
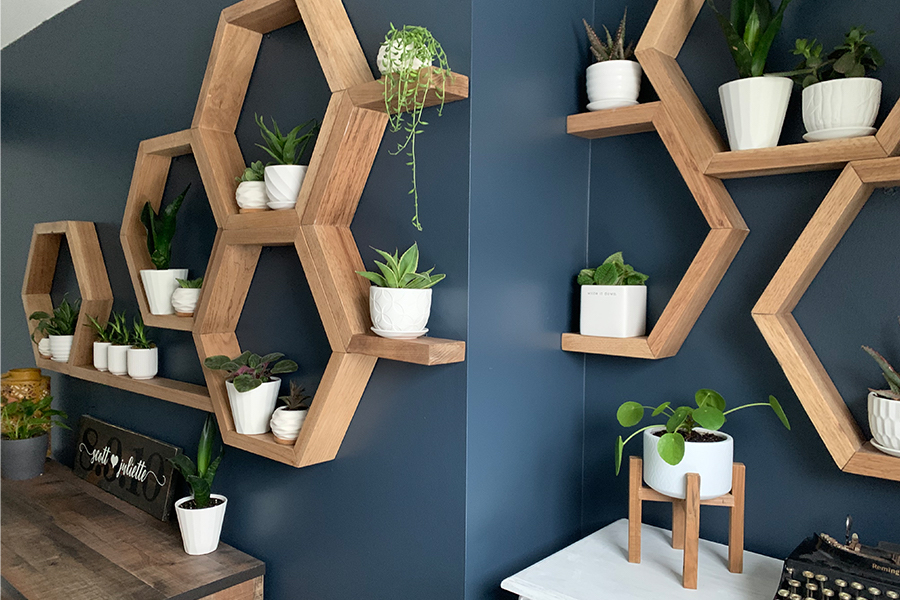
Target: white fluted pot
(884,421)
(618,311)
(283,184)
(251,196)
(117,359)
(200,527)
(158,287)
(61,347)
(252,410)
(754,110)
(184,301)
(711,460)
(613,84)
(286,424)
(143,363)
(848,104)
(101,355)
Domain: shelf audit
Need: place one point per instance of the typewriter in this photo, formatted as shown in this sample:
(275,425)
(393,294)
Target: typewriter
(821,568)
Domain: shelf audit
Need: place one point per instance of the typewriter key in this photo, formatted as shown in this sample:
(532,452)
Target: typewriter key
(857,586)
(874,591)
(828,593)
(812,587)
(784,593)
(845,596)
(808,574)
(821,578)
(840,583)
(892,595)
(793,583)
(795,597)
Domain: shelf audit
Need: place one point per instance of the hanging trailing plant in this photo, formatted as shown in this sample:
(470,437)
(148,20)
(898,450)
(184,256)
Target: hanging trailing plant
(404,52)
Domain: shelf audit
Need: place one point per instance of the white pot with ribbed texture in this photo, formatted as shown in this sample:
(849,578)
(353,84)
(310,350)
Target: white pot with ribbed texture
(614,80)
(393,62)
(143,363)
(200,527)
(754,110)
(399,310)
(251,196)
(252,410)
(117,359)
(101,355)
(61,347)
(848,104)
(286,424)
(711,460)
(884,421)
(184,301)
(158,287)
(283,183)
(44,348)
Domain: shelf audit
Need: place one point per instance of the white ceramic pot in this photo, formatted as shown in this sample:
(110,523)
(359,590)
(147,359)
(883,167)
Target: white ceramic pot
(711,460)
(200,527)
(849,104)
(251,195)
(286,424)
(44,348)
(618,311)
(143,363)
(614,80)
(158,286)
(184,300)
(399,310)
(117,359)
(61,347)
(392,63)
(101,355)
(252,410)
(754,110)
(884,421)
(283,183)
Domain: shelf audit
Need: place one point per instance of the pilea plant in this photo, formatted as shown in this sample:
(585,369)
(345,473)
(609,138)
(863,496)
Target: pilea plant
(853,58)
(255,172)
(613,271)
(297,399)
(890,375)
(249,371)
(104,332)
(681,422)
(200,475)
(61,322)
(119,335)
(403,52)
(139,340)
(28,418)
(750,32)
(614,48)
(190,283)
(401,272)
(285,149)
(161,229)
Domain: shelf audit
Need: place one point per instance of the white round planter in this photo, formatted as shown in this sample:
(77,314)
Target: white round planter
(252,410)
(286,424)
(613,83)
(711,460)
(618,311)
(44,348)
(184,301)
(884,421)
(101,355)
(200,527)
(251,196)
(397,312)
(158,286)
(841,108)
(143,363)
(61,347)
(283,184)
(754,110)
(392,63)
(117,359)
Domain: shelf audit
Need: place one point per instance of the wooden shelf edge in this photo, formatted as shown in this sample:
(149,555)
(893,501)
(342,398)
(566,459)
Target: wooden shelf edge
(871,462)
(613,122)
(369,95)
(262,445)
(173,322)
(421,351)
(637,347)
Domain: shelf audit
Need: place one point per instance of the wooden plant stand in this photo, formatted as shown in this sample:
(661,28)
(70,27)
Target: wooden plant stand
(686,518)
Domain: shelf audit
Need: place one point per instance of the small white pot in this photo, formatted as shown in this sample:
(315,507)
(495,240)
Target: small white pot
(754,110)
(158,286)
(286,424)
(618,311)
(252,410)
(399,310)
(101,354)
(184,301)
(283,183)
(44,348)
(251,196)
(614,80)
(711,460)
(117,359)
(60,347)
(143,363)
(390,64)
(200,527)
(884,421)
(850,103)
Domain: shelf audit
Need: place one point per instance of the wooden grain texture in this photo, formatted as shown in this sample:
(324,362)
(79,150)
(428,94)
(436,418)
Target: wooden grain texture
(249,590)
(871,462)
(219,161)
(609,123)
(691,531)
(334,40)
(669,25)
(635,482)
(880,173)
(227,283)
(636,347)
(262,16)
(169,145)
(370,95)
(648,494)
(266,219)
(214,344)
(736,519)
(888,134)
(678,516)
(421,351)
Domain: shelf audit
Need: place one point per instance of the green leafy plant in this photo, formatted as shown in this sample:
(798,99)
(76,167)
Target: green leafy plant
(853,58)
(139,340)
(119,335)
(613,271)
(286,149)
(61,322)
(681,421)
(28,418)
(190,283)
(297,399)
(200,475)
(161,230)
(255,172)
(890,375)
(614,48)
(400,272)
(405,90)
(750,32)
(104,332)
(249,371)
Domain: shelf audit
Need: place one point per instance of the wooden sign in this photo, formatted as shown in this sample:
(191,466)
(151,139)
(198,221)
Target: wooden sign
(126,464)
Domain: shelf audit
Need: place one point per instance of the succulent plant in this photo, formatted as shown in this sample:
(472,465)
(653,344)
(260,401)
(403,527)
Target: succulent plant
(286,149)
(120,335)
(255,172)
(401,272)
(61,322)
(190,283)
(139,338)
(161,230)
(249,371)
(297,399)
(613,271)
(614,48)
(104,332)
(890,375)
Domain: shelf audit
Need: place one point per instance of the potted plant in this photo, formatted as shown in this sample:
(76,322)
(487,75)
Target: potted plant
(288,419)
(884,408)
(117,353)
(614,80)
(251,191)
(201,514)
(102,344)
(613,300)
(400,300)
(58,327)
(24,424)
(186,296)
(159,283)
(143,355)
(284,179)
(688,442)
(401,56)
(754,106)
(252,387)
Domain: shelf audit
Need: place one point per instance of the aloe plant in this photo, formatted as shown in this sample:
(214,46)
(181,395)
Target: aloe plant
(139,339)
(750,32)
(61,322)
(890,375)
(296,399)
(613,271)
(119,335)
(614,48)
(400,272)
(104,332)
(161,229)
(249,371)
(200,475)
(286,149)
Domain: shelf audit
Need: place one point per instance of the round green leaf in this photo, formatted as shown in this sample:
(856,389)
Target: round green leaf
(776,406)
(630,414)
(671,448)
(678,418)
(711,398)
(620,445)
(660,408)
(709,417)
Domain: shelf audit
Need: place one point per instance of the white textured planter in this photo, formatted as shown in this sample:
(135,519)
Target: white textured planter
(399,310)
(143,363)
(618,311)
(184,301)
(200,527)
(391,63)
(101,355)
(252,410)
(251,196)
(158,287)
(283,183)
(286,424)
(711,460)
(61,347)
(848,104)
(117,359)
(884,421)
(44,348)
(613,80)
(754,110)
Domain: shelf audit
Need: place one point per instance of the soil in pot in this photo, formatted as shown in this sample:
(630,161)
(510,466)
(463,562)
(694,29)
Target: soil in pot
(695,436)
(192,504)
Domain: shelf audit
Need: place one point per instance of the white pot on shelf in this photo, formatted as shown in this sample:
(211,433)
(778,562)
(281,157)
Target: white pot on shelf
(841,108)
(713,461)
(200,527)
(754,109)
(143,363)
(613,84)
(884,422)
(44,348)
(117,359)
(252,410)
(184,301)
(399,313)
(158,287)
(286,424)
(283,184)
(251,196)
(393,62)
(61,347)
(618,311)
(101,355)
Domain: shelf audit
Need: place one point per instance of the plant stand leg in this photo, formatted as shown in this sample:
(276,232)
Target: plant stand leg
(635,479)
(678,515)
(736,521)
(691,531)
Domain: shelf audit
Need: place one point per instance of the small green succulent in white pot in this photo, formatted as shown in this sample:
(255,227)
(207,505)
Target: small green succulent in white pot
(884,408)
(186,296)
(250,194)
(614,80)
(285,178)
